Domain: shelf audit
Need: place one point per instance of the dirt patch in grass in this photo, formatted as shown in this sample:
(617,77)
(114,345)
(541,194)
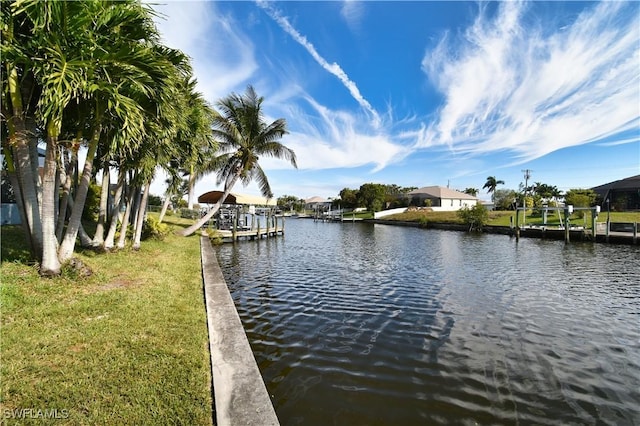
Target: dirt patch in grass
(117,283)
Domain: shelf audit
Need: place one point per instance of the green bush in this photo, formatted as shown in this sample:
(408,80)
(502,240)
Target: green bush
(151,228)
(475,217)
(92,204)
(214,236)
(190,214)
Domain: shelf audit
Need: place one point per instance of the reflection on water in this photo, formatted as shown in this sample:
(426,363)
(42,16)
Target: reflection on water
(361,324)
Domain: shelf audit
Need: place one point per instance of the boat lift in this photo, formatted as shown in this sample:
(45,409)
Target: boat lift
(565,224)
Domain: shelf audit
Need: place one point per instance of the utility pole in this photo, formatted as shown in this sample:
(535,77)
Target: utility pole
(527,175)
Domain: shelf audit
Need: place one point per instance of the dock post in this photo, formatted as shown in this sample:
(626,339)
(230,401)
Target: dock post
(268,217)
(635,232)
(567,212)
(258,231)
(234,230)
(517,226)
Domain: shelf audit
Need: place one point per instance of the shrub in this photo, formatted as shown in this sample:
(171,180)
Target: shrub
(151,228)
(476,217)
(92,204)
(190,214)
(214,236)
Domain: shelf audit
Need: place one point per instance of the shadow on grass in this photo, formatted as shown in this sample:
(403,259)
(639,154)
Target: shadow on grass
(15,248)
(14,245)
(177,224)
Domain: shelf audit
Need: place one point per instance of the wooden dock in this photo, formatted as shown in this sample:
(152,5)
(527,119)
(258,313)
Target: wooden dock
(335,218)
(274,226)
(229,235)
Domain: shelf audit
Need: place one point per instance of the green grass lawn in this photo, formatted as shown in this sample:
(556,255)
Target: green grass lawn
(503,218)
(126,345)
(358,215)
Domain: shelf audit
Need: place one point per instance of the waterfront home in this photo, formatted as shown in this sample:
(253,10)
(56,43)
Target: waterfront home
(441,199)
(317,204)
(620,195)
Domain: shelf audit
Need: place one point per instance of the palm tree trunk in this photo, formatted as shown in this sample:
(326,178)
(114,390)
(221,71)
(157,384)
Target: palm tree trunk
(50,264)
(190,197)
(13,179)
(140,219)
(113,222)
(125,220)
(193,228)
(18,138)
(34,155)
(31,214)
(69,241)
(85,239)
(165,206)
(98,237)
(135,207)
(66,194)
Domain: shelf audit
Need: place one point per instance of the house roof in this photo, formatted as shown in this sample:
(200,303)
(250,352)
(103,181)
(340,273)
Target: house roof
(212,197)
(442,193)
(316,199)
(632,182)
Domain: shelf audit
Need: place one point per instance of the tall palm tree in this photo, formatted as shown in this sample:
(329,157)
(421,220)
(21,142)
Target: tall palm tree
(243,137)
(99,62)
(491,185)
(126,77)
(195,138)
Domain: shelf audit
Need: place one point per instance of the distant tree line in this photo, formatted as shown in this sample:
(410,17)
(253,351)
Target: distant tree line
(376,197)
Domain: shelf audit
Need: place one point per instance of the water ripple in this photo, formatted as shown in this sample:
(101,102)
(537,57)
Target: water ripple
(365,324)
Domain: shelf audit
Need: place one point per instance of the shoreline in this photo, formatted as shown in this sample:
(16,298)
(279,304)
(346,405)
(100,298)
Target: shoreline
(541,233)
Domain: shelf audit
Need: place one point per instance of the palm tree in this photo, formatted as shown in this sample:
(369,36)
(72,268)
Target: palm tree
(243,137)
(471,191)
(88,66)
(127,76)
(491,185)
(195,138)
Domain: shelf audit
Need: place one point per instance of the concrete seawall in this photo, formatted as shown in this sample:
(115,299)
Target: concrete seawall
(240,395)
(575,235)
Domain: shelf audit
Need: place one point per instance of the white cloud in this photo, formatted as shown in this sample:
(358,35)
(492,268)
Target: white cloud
(352,12)
(327,139)
(222,58)
(332,68)
(519,88)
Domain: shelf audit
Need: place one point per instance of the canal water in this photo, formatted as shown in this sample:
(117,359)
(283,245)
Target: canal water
(363,324)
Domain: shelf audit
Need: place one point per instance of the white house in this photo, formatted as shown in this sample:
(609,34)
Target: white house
(317,204)
(442,199)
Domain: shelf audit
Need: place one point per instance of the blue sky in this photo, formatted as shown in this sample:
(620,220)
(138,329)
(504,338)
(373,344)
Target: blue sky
(426,93)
